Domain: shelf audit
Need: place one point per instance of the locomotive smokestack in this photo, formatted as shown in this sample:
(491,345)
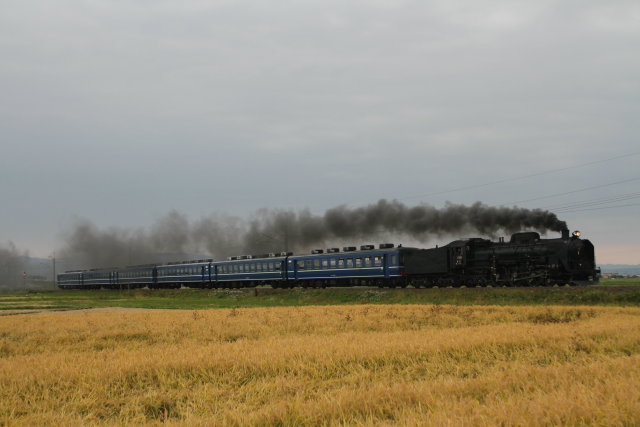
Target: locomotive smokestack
(565,234)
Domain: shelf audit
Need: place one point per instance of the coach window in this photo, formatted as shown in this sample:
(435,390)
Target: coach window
(340,262)
(367,261)
(332,263)
(277,266)
(301,264)
(393,260)
(316,264)
(324,264)
(377,261)
(358,262)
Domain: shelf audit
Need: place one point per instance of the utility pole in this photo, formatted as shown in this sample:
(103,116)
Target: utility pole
(54,270)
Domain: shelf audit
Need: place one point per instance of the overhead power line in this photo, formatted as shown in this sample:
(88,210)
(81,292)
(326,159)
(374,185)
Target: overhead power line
(594,202)
(517,178)
(576,191)
(601,208)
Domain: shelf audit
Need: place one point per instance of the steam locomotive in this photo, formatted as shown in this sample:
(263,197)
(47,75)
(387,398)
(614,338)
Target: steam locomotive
(525,260)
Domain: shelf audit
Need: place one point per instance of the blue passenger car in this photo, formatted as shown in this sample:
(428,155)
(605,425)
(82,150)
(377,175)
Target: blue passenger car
(193,274)
(70,280)
(351,267)
(96,279)
(245,271)
(135,277)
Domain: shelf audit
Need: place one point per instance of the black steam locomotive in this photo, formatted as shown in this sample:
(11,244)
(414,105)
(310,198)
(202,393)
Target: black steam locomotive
(526,260)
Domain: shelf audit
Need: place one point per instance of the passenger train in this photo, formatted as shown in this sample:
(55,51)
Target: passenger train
(525,260)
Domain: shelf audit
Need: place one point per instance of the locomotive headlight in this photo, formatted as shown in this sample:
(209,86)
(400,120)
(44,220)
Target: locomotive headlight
(576,233)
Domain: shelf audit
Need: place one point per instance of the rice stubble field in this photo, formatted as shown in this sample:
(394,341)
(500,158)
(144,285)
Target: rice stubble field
(323,365)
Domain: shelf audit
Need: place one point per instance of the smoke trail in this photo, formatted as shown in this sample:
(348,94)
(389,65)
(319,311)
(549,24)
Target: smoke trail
(174,237)
(11,267)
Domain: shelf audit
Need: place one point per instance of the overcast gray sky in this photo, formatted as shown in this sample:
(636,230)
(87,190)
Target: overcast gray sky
(119,111)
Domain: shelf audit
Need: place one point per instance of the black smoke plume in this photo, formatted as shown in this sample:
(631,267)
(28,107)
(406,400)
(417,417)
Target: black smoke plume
(174,237)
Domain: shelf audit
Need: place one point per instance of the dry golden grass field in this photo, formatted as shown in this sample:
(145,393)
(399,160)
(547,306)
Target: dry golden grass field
(333,365)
